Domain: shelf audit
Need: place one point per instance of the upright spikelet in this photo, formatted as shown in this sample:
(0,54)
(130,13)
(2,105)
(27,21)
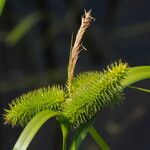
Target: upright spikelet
(25,107)
(92,92)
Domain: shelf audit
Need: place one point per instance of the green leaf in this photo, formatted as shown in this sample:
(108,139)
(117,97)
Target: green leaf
(2,4)
(32,128)
(136,74)
(22,28)
(79,136)
(140,89)
(98,138)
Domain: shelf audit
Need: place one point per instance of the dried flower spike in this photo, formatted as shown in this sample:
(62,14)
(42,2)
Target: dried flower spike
(86,20)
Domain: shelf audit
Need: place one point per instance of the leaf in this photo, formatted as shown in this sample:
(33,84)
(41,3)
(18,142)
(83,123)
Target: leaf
(79,136)
(98,138)
(22,28)
(32,128)
(136,74)
(2,4)
(140,89)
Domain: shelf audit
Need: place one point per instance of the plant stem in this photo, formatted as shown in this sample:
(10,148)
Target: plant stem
(65,131)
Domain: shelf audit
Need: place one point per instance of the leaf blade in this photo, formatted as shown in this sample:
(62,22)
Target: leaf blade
(80,135)
(136,74)
(32,128)
(140,89)
(98,138)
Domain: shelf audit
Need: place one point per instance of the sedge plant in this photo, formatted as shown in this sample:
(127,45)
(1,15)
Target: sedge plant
(77,104)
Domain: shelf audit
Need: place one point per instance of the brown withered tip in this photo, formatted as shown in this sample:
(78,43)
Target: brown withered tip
(77,47)
(87,14)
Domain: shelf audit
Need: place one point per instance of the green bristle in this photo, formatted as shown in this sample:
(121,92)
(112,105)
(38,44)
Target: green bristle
(25,107)
(93,91)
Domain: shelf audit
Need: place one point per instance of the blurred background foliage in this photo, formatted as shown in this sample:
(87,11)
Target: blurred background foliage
(35,38)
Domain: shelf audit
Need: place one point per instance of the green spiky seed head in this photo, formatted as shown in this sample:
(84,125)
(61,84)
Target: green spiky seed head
(93,91)
(22,109)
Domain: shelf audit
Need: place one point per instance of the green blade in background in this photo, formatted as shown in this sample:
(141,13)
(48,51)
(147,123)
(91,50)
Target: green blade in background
(2,4)
(24,26)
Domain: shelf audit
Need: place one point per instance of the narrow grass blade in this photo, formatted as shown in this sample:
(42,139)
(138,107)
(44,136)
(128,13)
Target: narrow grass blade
(136,74)
(80,135)
(140,89)
(98,138)
(32,128)
(2,4)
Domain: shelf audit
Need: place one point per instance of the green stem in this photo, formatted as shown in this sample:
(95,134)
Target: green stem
(65,132)
(98,138)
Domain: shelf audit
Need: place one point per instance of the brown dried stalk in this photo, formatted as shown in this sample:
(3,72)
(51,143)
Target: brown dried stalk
(78,47)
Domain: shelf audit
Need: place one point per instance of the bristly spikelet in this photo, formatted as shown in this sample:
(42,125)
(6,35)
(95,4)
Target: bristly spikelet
(95,92)
(26,106)
(83,79)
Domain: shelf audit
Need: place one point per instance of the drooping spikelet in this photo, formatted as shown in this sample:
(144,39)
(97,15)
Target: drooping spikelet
(26,106)
(93,91)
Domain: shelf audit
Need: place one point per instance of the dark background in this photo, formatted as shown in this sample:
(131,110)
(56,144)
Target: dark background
(39,58)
